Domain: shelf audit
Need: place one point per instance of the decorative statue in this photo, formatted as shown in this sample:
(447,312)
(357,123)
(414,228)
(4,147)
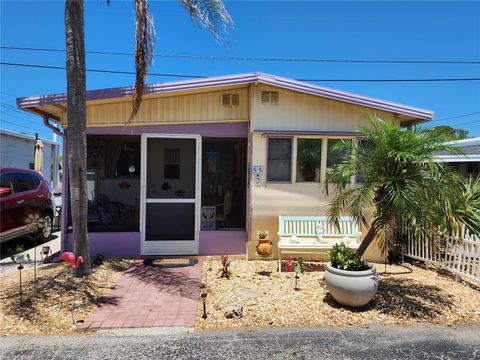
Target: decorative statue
(69,257)
(320,230)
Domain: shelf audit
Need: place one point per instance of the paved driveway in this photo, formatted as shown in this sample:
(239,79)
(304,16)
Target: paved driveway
(379,342)
(147,296)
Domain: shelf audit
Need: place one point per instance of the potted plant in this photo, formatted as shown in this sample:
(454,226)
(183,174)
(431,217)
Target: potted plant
(350,280)
(264,247)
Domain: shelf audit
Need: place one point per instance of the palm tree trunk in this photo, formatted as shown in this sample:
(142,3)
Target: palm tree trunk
(366,241)
(76,130)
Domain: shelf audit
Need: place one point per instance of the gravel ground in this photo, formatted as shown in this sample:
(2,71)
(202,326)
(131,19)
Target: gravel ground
(407,295)
(378,342)
(58,302)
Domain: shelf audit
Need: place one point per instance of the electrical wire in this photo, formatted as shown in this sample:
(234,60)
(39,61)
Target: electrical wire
(250,58)
(204,76)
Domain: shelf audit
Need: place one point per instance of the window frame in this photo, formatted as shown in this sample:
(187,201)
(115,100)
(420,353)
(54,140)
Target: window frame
(322,140)
(292,157)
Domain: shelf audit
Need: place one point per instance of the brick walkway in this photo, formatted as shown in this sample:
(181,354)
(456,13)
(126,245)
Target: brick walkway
(147,296)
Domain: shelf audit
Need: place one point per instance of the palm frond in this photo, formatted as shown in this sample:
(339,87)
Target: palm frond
(212,15)
(144,48)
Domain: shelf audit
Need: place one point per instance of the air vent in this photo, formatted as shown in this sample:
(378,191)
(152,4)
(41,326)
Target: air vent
(231,99)
(270,97)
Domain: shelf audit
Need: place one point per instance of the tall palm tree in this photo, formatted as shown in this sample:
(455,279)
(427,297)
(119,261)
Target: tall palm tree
(211,14)
(402,184)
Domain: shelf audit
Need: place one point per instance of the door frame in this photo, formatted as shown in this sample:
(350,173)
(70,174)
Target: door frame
(173,247)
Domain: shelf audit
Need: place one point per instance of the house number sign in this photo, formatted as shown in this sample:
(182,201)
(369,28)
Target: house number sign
(257,172)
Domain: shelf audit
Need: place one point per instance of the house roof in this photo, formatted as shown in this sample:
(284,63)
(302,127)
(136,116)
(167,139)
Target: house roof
(27,137)
(37,104)
(470,148)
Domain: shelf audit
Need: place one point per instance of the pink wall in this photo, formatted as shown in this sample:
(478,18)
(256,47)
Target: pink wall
(127,244)
(223,242)
(112,244)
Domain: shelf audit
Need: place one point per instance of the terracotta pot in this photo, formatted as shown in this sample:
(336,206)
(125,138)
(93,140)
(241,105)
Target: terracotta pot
(264,247)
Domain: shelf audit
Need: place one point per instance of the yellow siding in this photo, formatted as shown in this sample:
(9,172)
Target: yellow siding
(296,199)
(297,111)
(199,107)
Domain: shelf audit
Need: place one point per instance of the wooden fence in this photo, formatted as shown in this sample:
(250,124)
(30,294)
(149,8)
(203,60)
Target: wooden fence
(458,254)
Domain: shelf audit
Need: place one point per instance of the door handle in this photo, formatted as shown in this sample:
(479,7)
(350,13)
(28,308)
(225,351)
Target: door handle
(20,201)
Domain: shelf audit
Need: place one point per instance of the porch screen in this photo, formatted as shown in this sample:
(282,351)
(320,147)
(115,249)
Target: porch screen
(279,166)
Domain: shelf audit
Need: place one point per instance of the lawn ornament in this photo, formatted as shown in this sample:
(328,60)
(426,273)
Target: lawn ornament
(289,264)
(69,257)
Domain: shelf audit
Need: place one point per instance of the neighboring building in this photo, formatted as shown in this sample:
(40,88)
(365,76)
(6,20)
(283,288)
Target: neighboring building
(207,162)
(18,150)
(468,163)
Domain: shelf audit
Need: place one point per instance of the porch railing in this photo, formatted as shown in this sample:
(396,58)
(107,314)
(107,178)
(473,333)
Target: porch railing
(458,254)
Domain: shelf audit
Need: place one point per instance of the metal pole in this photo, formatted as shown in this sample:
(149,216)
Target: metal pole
(204,298)
(35,260)
(20,267)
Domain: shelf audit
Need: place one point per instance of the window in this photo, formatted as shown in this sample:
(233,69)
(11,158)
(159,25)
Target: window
(23,182)
(171,166)
(279,159)
(308,160)
(365,145)
(6,180)
(335,156)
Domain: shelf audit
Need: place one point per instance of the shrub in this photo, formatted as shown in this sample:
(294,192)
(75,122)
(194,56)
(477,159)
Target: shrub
(344,258)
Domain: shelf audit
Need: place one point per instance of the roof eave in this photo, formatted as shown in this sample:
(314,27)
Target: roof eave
(229,80)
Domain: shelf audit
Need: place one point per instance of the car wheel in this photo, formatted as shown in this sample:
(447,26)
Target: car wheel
(46,231)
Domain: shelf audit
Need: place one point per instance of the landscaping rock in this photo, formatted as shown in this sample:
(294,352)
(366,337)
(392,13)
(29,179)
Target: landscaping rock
(232,311)
(406,295)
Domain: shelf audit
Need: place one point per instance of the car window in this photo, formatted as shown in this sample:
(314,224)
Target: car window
(36,180)
(23,182)
(6,180)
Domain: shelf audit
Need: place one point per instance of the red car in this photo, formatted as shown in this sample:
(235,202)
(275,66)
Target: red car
(24,193)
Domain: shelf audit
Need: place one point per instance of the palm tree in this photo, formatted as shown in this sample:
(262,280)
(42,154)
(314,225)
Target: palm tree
(211,14)
(402,184)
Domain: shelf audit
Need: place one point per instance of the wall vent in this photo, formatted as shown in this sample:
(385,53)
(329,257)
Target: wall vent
(270,97)
(231,99)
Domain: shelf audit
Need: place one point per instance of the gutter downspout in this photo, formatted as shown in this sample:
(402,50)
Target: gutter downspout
(63,220)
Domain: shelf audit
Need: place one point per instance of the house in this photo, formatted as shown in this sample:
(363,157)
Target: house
(207,162)
(467,163)
(18,150)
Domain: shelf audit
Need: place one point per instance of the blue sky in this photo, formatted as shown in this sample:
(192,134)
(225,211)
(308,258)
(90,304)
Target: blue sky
(333,30)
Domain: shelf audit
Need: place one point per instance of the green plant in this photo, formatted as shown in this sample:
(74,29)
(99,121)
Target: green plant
(344,258)
(261,235)
(301,264)
(403,185)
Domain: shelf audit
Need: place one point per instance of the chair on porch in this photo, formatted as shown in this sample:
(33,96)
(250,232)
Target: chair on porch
(224,209)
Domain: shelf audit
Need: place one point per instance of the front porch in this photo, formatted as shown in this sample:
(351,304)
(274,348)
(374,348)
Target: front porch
(166,190)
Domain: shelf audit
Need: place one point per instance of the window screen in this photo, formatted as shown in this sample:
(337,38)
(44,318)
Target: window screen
(335,156)
(308,160)
(279,159)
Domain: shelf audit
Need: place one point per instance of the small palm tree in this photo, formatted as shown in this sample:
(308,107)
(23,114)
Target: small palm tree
(402,184)
(211,14)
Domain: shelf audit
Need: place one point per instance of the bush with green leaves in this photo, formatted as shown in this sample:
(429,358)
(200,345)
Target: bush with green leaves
(402,185)
(344,258)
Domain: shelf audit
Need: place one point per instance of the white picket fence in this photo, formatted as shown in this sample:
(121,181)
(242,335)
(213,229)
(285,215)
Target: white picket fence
(457,254)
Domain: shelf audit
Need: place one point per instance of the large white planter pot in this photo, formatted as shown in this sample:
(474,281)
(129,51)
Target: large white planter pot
(351,288)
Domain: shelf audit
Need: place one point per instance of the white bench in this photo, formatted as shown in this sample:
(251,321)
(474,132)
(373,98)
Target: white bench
(314,235)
